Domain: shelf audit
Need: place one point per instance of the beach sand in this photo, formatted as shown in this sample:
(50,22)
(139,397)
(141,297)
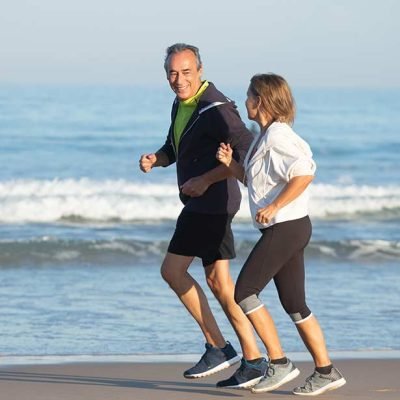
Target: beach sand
(366,379)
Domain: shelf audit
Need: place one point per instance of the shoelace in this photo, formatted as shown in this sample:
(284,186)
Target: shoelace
(243,366)
(270,370)
(309,385)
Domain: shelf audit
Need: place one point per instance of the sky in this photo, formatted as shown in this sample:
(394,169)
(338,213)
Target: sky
(320,43)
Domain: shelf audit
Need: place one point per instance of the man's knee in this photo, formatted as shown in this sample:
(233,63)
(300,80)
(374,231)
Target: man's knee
(174,268)
(170,273)
(216,286)
(219,280)
(167,272)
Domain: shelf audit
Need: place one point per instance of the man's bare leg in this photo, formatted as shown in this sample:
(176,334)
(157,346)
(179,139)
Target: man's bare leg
(220,282)
(174,270)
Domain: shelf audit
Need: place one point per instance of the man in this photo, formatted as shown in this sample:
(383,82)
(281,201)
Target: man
(202,118)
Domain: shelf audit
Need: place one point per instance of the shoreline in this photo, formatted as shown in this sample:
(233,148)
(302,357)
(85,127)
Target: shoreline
(10,360)
(367,379)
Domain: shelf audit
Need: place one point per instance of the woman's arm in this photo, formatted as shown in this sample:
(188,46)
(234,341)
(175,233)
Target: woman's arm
(292,190)
(224,156)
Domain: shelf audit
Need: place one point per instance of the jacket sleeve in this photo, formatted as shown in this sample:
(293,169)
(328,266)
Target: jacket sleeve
(229,128)
(168,150)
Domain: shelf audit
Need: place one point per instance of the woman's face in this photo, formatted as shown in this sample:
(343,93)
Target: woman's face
(251,105)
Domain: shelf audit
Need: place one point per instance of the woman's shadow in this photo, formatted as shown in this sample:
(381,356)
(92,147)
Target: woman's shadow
(147,384)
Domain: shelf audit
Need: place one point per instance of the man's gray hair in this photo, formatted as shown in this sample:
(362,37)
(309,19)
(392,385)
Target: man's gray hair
(178,48)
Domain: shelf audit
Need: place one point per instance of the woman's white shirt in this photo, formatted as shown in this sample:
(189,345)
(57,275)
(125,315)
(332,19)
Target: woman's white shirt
(280,155)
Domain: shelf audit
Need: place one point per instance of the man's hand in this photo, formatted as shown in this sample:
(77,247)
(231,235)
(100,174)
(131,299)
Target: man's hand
(195,187)
(147,162)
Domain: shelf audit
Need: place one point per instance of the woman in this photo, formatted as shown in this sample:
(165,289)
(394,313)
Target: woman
(277,171)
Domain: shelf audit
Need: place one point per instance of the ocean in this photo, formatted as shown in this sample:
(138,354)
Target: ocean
(83,231)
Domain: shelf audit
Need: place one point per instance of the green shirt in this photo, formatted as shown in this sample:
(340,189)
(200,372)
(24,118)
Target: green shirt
(185,111)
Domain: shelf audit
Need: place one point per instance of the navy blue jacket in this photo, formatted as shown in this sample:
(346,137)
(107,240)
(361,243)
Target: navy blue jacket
(214,120)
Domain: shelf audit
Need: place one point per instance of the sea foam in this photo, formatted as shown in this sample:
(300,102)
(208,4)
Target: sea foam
(85,199)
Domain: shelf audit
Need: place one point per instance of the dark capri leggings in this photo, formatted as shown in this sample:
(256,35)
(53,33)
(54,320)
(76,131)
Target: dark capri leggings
(278,255)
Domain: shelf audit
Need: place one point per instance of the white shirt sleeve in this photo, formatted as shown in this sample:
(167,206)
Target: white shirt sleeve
(301,167)
(290,161)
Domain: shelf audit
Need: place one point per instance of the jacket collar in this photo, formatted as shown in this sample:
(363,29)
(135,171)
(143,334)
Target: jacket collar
(211,98)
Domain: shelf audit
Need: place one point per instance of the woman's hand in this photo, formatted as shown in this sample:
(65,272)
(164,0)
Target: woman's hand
(224,154)
(265,215)
(292,190)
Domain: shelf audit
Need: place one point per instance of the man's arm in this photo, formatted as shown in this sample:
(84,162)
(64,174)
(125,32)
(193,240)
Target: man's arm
(228,128)
(161,158)
(149,161)
(232,130)
(198,185)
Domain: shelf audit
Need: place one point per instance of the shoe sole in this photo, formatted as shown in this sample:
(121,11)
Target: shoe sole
(332,386)
(216,369)
(245,385)
(286,379)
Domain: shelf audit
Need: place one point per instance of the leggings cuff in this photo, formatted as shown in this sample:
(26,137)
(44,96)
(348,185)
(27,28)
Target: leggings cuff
(250,304)
(254,309)
(298,319)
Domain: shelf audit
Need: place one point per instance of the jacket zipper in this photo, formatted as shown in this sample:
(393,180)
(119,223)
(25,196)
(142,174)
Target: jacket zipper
(212,105)
(183,134)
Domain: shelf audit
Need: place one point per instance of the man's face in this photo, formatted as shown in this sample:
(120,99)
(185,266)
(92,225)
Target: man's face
(183,75)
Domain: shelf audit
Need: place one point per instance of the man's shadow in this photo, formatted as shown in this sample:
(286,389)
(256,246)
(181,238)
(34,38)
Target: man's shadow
(148,384)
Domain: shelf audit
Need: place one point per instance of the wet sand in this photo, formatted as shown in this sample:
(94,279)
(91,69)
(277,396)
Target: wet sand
(372,379)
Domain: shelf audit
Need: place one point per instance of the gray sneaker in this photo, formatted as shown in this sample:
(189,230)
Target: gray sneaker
(213,360)
(319,383)
(246,376)
(276,376)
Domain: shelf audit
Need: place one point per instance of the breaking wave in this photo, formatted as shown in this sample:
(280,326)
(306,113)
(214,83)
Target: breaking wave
(85,200)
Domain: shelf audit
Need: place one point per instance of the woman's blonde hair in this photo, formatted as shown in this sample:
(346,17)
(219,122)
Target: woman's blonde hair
(276,97)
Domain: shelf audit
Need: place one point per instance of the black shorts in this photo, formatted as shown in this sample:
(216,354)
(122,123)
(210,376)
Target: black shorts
(206,236)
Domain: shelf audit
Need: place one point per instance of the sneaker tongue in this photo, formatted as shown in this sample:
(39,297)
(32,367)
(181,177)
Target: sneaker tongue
(244,364)
(209,346)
